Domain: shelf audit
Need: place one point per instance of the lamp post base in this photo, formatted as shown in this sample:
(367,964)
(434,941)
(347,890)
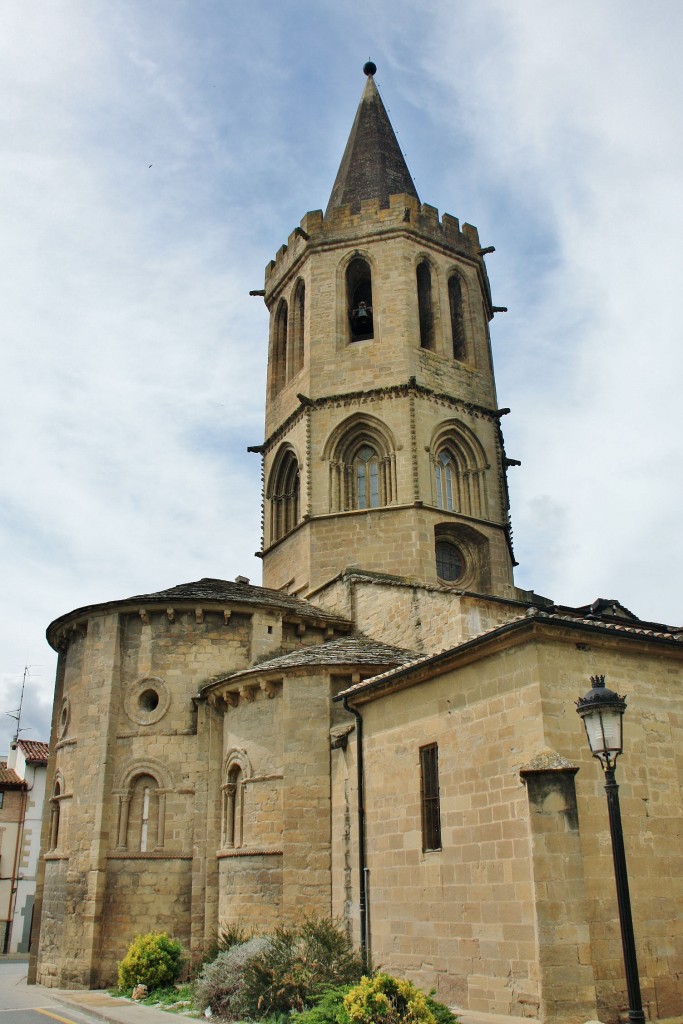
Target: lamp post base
(635,1013)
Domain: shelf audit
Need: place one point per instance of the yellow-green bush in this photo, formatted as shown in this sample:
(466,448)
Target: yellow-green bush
(386,1000)
(154,960)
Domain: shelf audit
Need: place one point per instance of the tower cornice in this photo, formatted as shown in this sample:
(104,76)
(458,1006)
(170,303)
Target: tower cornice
(347,398)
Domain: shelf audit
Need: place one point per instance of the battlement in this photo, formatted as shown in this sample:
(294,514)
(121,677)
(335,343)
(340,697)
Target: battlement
(404,213)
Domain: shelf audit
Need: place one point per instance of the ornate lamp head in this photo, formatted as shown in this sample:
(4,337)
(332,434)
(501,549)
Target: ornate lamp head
(602,712)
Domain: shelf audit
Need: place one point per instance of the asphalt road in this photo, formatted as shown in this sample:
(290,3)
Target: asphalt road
(25,1004)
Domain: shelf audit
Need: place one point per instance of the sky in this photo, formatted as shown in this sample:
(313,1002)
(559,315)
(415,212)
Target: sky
(155,154)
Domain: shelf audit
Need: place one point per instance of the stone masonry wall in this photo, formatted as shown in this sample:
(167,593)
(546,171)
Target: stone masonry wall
(126,722)
(517,913)
(421,618)
(461,918)
(651,797)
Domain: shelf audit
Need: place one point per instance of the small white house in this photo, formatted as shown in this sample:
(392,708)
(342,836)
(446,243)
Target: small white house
(22,795)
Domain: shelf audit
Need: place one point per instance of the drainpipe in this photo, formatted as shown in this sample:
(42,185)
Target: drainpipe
(362,869)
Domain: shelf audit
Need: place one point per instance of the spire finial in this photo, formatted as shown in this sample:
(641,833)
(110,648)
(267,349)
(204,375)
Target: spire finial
(369,69)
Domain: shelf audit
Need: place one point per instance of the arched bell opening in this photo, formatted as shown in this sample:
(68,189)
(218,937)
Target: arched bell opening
(425,305)
(359,299)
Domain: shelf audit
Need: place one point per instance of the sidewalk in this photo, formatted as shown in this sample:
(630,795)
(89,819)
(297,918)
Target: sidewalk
(108,1008)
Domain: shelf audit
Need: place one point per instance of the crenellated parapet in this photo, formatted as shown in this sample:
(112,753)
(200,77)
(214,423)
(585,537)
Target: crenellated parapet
(405,215)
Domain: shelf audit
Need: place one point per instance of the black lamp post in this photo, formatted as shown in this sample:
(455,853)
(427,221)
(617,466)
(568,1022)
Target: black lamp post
(602,711)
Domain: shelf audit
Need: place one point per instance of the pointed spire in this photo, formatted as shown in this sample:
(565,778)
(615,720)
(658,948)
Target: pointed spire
(373,166)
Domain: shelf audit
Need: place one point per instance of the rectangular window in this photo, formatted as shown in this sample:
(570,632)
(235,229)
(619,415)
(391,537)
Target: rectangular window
(2,799)
(429,797)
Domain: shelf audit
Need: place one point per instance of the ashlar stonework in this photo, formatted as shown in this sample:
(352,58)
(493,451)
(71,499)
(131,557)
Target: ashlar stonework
(207,739)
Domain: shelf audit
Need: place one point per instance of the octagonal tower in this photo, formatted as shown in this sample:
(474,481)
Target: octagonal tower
(383,446)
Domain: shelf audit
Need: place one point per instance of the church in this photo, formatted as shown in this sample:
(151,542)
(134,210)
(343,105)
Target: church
(385,731)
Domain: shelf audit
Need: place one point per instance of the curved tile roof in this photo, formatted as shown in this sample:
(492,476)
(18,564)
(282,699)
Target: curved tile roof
(34,750)
(8,777)
(219,591)
(346,650)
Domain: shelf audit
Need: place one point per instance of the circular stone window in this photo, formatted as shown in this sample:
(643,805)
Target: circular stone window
(450,561)
(147,700)
(64,716)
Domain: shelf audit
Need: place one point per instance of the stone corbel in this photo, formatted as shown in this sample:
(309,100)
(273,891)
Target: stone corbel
(170,614)
(226,616)
(249,693)
(78,630)
(269,687)
(144,615)
(199,615)
(339,736)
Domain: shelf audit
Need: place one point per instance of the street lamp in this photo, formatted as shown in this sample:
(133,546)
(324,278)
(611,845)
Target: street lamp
(602,711)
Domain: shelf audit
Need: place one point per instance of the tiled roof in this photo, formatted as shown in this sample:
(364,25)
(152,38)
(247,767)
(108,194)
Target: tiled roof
(208,589)
(648,631)
(8,777)
(347,650)
(34,750)
(373,166)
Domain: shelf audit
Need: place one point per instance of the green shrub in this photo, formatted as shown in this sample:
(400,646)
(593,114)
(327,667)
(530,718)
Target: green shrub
(297,966)
(441,1013)
(221,982)
(328,1008)
(232,935)
(386,1000)
(154,960)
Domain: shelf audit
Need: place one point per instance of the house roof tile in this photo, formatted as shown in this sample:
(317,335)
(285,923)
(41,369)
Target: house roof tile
(9,778)
(34,750)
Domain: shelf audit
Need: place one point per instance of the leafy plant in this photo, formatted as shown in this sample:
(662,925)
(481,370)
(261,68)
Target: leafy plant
(221,982)
(328,1008)
(154,960)
(177,998)
(232,935)
(441,1013)
(386,1000)
(297,966)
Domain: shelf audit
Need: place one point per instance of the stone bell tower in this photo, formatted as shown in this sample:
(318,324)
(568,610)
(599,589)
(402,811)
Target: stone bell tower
(383,446)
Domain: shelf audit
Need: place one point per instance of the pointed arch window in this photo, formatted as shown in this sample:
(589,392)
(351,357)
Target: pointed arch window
(424,304)
(297,332)
(279,367)
(361,452)
(284,495)
(455,301)
(366,476)
(459,466)
(359,299)
(445,470)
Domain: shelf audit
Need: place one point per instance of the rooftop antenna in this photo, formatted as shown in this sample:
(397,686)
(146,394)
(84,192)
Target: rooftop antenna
(16,715)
